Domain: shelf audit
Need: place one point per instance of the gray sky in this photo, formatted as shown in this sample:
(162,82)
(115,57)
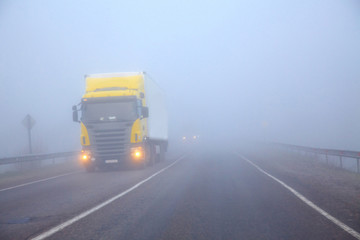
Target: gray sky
(275,70)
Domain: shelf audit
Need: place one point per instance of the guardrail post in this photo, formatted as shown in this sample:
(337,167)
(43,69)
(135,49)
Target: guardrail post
(357,164)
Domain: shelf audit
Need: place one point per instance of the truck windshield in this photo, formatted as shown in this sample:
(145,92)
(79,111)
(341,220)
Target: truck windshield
(109,111)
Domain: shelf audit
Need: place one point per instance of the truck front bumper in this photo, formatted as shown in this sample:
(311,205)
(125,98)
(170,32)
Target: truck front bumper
(135,154)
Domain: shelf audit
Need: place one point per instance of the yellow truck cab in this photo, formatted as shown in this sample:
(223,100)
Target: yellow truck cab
(123,120)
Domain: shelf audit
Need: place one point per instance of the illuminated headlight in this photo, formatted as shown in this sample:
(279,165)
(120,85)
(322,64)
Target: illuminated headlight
(137,153)
(85,156)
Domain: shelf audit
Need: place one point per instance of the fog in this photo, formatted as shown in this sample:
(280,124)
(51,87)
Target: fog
(232,70)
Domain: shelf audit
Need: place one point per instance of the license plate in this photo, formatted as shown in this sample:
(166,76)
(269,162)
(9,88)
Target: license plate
(111,161)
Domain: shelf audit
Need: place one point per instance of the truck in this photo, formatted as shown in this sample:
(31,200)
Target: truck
(123,120)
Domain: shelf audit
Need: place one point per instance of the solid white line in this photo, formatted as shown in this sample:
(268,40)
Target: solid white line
(101,205)
(340,224)
(37,181)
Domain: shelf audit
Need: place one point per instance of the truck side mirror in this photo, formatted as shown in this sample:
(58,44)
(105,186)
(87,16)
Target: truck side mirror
(75,114)
(145,112)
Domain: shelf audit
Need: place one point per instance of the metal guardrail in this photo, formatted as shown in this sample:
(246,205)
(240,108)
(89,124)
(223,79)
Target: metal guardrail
(36,157)
(328,152)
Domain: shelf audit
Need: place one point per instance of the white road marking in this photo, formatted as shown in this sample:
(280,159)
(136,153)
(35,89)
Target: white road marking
(63,225)
(340,224)
(37,181)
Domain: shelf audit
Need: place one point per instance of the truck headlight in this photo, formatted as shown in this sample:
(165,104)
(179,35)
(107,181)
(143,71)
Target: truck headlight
(85,156)
(137,153)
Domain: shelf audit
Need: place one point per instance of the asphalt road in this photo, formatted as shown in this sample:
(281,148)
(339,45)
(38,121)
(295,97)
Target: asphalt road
(216,195)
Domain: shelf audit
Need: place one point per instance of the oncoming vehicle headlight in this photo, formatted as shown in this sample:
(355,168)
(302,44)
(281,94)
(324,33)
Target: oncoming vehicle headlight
(137,153)
(85,156)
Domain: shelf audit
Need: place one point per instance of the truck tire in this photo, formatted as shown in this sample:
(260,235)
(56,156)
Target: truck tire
(152,155)
(90,168)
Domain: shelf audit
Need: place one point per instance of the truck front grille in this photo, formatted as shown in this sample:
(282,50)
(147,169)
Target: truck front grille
(110,141)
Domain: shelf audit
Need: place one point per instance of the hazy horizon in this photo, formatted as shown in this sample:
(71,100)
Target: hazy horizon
(232,70)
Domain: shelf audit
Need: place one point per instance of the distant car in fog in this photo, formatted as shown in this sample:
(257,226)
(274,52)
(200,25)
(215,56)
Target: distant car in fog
(190,138)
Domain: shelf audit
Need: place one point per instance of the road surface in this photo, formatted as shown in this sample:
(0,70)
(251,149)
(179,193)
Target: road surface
(216,195)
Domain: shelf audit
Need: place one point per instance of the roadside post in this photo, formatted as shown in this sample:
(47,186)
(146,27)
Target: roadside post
(29,123)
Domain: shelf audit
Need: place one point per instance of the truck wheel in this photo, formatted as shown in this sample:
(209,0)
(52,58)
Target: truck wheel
(90,168)
(143,164)
(148,157)
(152,155)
